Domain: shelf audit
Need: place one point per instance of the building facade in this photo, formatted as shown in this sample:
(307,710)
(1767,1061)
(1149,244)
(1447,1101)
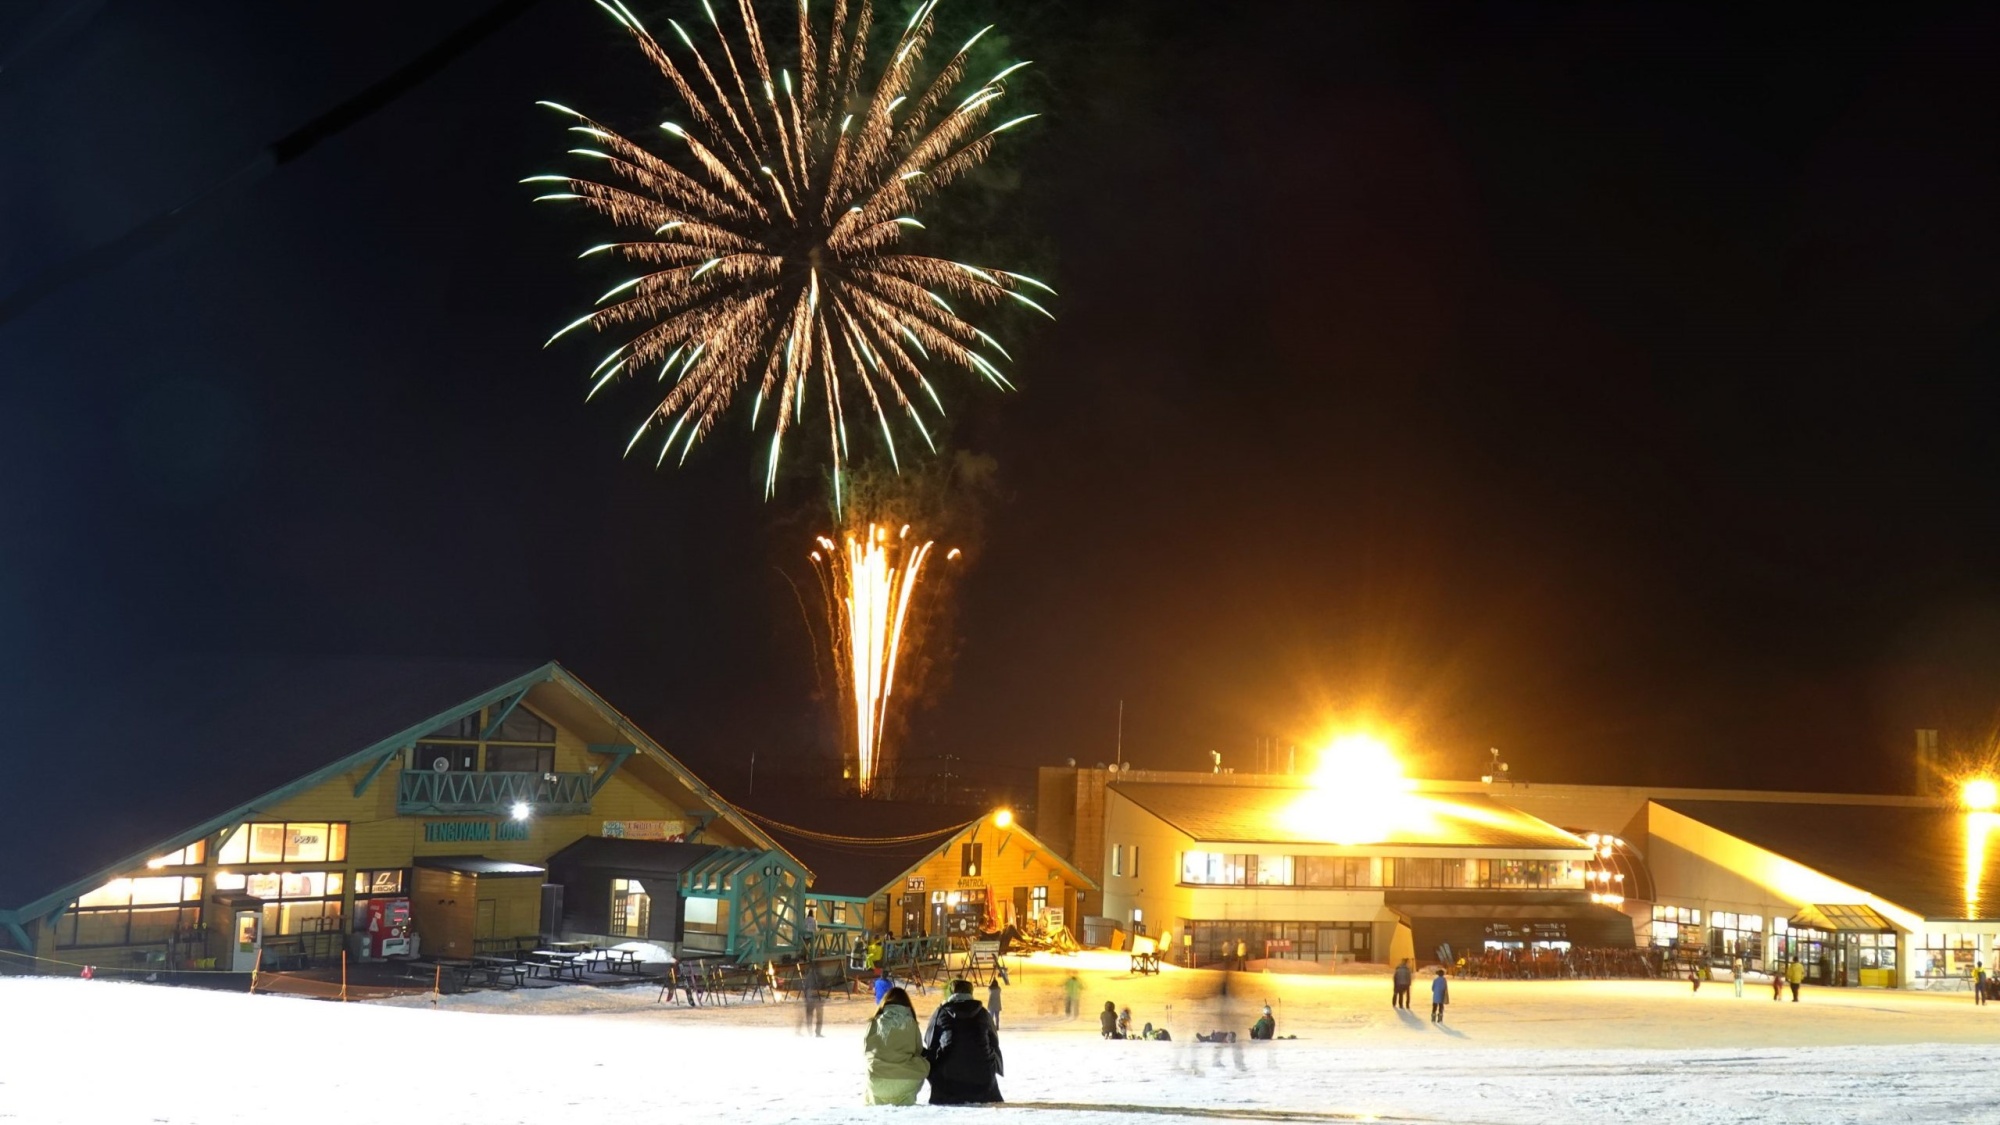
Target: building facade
(425,801)
(1213,869)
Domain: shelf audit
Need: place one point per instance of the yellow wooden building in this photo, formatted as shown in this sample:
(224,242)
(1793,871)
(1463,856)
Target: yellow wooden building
(274,803)
(972,875)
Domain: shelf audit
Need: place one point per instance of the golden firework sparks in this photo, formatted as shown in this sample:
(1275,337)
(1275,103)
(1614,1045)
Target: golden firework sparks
(870,580)
(772,234)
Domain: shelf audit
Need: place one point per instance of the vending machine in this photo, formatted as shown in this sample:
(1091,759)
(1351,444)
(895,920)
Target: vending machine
(386,925)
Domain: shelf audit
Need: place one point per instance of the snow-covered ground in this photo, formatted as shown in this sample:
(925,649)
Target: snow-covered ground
(74,1051)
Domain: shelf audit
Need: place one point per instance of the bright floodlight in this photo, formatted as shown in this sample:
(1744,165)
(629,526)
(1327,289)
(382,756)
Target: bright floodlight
(1359,793)
(1003,818)
(1979,794)
(520,810)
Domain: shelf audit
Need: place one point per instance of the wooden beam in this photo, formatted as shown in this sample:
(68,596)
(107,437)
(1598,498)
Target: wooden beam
(500,716)
(381,764)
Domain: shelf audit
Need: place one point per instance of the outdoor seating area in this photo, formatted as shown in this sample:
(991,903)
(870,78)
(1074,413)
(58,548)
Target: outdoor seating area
(1146,963)
(514,962)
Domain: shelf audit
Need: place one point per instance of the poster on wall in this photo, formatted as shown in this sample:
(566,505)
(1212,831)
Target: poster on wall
(665,831)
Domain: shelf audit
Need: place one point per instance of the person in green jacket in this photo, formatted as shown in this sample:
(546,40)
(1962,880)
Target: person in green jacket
(894,1046)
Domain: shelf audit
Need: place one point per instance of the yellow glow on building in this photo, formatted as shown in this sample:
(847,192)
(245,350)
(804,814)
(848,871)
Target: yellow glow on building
(1979,794)
(1978,826)
(1358,796)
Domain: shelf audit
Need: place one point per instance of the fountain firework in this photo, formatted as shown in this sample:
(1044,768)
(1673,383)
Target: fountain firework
(870,581)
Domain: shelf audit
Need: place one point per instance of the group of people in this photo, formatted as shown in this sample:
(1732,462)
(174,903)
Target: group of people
(1400,997)
(958,1053)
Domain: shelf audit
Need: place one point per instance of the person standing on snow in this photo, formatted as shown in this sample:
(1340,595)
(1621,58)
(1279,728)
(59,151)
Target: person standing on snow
(993,1001)
(1072,997)
(1736,975)
(964,1050)
(1401,997)
(895,1052)
(1978,982)
(1440,996)
(1795,975)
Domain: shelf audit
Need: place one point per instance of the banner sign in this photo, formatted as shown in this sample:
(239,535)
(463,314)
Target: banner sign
(666,831)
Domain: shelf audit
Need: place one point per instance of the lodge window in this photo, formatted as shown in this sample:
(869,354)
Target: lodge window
(1326,942)
(194,855)
(702,915)
(456,745)
(1038,901)
(1118,859)
(1333,871)
(1672,924)
(971,858)
(1946,955)
(1509,874)
(1737,935)
(1877,951)
(632,908)
(295,902)
(144,911)
(377,883)
(1241,869)
(520,759)
(1424,873)
(285,842)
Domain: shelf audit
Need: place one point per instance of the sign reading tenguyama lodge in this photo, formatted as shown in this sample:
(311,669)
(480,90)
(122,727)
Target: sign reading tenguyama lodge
(473,831)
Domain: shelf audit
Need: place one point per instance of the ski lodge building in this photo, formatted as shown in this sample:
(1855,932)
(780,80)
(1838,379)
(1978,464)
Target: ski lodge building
(274,809)
(1879,891)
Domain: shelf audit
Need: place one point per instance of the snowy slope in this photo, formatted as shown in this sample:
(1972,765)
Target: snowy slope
(107,1052)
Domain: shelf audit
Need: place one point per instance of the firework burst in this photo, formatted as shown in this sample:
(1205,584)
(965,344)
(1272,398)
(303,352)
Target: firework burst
(772,233)
(870,581)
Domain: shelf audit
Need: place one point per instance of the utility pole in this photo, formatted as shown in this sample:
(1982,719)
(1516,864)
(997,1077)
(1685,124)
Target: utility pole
(1120,759)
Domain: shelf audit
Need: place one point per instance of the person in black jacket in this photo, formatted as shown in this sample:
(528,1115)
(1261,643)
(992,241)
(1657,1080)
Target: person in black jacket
(1107,1021)
(964,1049)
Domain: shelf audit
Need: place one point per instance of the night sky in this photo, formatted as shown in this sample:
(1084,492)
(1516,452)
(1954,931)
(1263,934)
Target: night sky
(1612,385)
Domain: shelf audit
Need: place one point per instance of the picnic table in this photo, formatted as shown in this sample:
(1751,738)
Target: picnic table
(613,960)
(570,946)
(454,970)
(1147,963)
(555,965)
(493,967)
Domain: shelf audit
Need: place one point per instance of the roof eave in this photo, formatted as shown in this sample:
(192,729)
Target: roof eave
(62,895)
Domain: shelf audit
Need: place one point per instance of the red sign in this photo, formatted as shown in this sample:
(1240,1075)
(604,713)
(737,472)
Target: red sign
(1274,944)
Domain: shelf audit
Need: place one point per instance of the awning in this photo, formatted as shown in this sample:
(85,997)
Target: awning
(1842,919)
(478,865)
(1466,926)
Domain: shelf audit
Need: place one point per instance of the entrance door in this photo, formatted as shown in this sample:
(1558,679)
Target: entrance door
(913,914)
(482,926)
(247,939)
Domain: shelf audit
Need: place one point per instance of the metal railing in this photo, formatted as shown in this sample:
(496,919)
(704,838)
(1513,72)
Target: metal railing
(496,793)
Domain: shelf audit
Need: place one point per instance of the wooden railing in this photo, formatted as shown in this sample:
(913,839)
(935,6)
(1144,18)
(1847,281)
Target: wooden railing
(419,791)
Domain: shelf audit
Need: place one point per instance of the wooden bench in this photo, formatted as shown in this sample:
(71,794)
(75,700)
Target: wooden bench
(982,964)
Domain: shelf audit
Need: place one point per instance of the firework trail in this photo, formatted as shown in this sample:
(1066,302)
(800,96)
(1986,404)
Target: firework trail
(771,235)
(869,583)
